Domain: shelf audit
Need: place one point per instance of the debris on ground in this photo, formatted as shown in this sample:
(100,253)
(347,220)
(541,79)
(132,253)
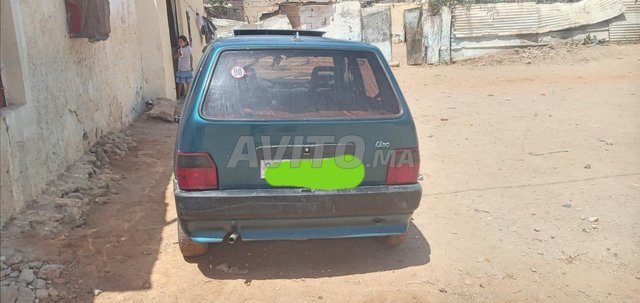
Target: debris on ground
(15,258)
(163,109)
(97,292)
(26,280)
(605,141)
(65,201)
(25,295)
(50,271)
(62,206)
(101,200)
(536,54)
(593,40)
(593,219)
(549,153)
(42,294)
(224,267)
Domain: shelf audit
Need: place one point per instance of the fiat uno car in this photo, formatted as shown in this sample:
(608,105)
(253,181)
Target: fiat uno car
(286,135)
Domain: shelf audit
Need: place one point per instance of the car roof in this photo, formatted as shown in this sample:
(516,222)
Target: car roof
(287,41)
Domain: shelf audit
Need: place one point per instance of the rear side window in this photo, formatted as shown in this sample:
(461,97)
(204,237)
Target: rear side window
(299,84)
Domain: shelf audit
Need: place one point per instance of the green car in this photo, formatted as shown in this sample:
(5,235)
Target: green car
(286,135)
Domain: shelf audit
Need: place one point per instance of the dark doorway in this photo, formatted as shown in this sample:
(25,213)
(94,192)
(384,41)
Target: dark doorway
(174,32)
(3,102)
(172,15)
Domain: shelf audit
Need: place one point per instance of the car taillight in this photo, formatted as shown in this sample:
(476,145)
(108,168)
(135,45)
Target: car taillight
(403,167)
(196,171)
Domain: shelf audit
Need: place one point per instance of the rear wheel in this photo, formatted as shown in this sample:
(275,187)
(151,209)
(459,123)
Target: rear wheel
(395,240)
(189,248)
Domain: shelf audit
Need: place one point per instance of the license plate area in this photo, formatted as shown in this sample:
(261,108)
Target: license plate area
(275,154)
(264,164)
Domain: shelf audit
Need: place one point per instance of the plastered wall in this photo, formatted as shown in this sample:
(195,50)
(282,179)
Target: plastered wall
(72,91)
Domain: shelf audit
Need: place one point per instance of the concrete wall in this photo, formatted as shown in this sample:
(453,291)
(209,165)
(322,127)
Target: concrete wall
(155,49)
(235,12)
(340,20)
(254,9)
(275,22)
(65,93)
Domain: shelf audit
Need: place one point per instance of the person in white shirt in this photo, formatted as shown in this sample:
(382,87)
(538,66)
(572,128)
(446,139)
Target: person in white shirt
(184,76)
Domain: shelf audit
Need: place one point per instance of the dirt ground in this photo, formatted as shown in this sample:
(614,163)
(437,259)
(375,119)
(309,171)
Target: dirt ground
(531,194)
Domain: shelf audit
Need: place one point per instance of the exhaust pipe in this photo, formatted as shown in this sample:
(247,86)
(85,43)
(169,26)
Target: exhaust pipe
(233,237)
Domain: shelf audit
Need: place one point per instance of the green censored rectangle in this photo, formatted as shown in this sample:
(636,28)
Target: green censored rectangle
(341,172)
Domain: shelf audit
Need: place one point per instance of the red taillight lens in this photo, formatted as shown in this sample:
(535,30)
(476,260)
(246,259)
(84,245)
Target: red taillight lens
(196,171)
(403,167)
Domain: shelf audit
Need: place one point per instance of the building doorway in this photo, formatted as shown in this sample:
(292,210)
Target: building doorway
(174,32)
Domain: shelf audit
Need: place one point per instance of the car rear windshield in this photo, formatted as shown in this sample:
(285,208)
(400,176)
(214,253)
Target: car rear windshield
(299,84)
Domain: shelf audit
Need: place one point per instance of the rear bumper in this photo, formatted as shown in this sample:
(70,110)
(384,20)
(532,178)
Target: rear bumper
(286,213)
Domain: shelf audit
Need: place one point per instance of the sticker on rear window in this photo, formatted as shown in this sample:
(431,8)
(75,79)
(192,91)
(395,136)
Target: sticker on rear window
(238,72)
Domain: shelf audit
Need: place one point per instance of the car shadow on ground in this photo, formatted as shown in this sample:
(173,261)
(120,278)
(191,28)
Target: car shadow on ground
(266,260)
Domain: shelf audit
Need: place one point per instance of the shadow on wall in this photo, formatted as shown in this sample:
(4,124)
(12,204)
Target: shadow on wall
(313,258)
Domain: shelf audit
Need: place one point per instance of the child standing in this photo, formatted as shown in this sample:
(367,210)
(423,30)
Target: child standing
(185,65)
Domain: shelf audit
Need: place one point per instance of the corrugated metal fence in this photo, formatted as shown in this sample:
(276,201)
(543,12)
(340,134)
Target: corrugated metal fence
(560,16)
(484,28)
(626,28)
(504,19)
(495,19)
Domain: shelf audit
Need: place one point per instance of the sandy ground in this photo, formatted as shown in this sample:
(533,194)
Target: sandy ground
(519,160)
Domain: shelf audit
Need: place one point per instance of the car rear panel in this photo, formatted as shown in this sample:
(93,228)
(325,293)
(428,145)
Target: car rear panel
(219,139)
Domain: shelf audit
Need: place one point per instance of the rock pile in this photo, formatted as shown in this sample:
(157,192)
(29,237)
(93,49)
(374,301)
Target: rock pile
(23,281)
(65,201)
(163,109)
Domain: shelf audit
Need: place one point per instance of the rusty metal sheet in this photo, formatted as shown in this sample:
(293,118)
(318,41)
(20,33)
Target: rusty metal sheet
(413,34)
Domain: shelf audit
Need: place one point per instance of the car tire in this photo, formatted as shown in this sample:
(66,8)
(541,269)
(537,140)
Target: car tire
(189,248)
(395,240)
